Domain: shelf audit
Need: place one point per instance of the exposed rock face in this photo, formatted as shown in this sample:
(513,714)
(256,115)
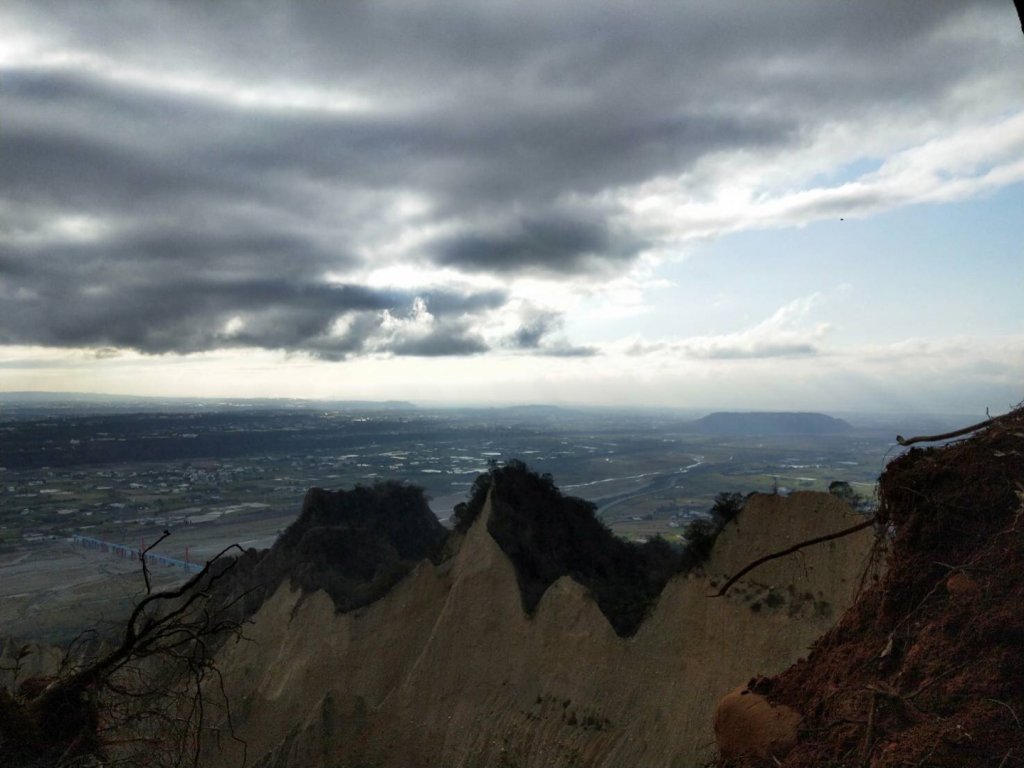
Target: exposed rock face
(447,669)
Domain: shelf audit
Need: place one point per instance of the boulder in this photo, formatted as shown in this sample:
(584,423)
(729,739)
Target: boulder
(747,724)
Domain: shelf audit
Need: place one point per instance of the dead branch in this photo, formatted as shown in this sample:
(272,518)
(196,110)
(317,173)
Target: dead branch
(140,639)
(151,691)
(790,550)
(1010,709)
(947,435)
(142,557)
(869,733)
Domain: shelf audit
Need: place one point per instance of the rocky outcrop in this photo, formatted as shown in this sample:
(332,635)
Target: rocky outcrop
(746,723)
(449,669)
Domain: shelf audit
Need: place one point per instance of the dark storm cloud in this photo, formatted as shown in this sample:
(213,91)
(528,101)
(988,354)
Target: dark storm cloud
(203,235)
(105,146)
(157,298)
(533,330)
(242,163)
(536,327)
(74,140)
(451,303)
(547,242)
(537,334)
(446,339)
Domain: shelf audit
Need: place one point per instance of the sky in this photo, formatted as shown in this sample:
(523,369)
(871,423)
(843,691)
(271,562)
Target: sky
(796,205)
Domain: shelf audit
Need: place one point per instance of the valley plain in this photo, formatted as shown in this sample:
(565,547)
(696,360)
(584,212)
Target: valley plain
(215,475)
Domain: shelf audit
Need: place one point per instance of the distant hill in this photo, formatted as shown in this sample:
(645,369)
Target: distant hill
(767,423)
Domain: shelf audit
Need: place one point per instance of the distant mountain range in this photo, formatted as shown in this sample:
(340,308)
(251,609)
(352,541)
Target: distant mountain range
(767,423)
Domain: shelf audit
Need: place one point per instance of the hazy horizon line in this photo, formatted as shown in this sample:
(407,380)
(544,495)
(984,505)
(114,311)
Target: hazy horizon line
(71,396)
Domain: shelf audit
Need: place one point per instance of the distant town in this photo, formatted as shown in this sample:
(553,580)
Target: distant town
(107,473)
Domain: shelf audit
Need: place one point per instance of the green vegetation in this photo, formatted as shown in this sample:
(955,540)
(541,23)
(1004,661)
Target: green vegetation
(548,535)
(355,545)
(701,533)
(466,512)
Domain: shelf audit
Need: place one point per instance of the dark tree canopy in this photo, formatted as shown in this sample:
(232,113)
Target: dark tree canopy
(354,544)
(548,535)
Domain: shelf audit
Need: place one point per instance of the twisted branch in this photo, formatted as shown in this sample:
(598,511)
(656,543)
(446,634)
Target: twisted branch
(790,550)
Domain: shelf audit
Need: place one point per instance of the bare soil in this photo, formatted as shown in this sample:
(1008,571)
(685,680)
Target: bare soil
(927,667)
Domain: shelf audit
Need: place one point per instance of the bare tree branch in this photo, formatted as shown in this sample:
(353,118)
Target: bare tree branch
(946,435)
(790,550)
(147,699)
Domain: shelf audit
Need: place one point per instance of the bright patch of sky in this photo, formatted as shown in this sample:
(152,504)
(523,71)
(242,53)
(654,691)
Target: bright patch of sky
(928,271)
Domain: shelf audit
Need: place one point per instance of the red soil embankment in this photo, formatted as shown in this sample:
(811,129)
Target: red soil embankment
(927,667)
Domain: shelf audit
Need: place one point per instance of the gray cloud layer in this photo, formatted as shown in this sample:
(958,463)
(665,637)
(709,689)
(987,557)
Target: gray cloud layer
(225,202)
(539,333)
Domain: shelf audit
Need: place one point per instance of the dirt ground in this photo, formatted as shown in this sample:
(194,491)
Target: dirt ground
(926,668)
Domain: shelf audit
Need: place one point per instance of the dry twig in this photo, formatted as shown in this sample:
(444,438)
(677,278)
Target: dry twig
(790,550)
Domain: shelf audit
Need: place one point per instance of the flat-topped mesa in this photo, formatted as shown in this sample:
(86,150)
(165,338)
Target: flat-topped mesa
(763,423)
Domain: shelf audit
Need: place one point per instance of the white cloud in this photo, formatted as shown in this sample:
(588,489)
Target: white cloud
(977,158)
(26,50)
(786,333)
